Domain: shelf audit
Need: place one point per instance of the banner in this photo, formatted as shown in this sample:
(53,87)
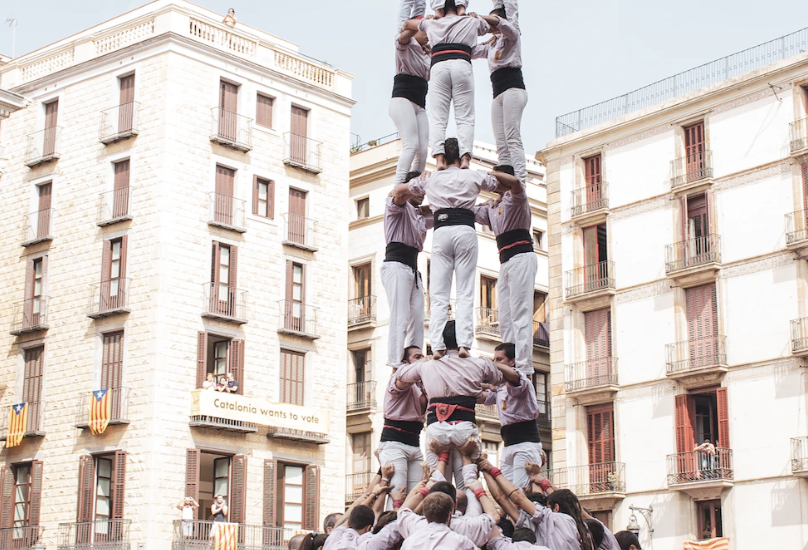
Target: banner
(712,544)
(17,424)
(225,536)
(232,406)
(100,411)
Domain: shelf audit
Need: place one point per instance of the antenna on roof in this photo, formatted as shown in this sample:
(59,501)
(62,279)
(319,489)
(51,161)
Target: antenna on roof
(12,22)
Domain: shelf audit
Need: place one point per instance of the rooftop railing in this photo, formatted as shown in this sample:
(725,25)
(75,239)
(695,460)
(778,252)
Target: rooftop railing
(224,302)
(30,315)
(799,335)
(589,375)
(38,227)
(691,355)
(590,278)
(43,146)
(114,206)
(231,129)
(361,310)
(591,479)
(700,466)
(118,406)
(298,319)
(299,231)
(693,253)
(227,211)
(796,226)
(590,198)
(119,122)
(109,298)
(799,455)
(199,535)
(302,152)
(20,538)
(691,168)
(101,534)
(798,134)
(361,396)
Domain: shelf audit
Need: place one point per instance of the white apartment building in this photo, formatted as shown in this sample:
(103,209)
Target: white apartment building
(373,169)
(679,302)
(173,209)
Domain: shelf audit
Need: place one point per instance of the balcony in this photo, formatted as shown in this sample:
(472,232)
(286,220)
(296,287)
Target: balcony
(541,335)
(694,261)
(697,363)
(298,319)
(692,171)
(231,129)
(450,312)
(30,315)
(43,146)
(361,311)
(118,407)
(799,337)
(799,456)
(486,413)
(114,206)
(590,204)
(590,282)
(798,134)
(545,414)
(598,486)
(38,227)
(357,484)
(224,303)
(19,538)
(797,232)
(486,323)
(300,436)
(299,232)
(361,397)
(119,123)
(199,535)
(302,153)
(701,475)
(109,298)
(593,381)
(101,534)
(33,423)
(227,212)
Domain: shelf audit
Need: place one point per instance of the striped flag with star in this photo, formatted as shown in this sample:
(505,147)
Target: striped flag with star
(100,411)
(721,543)
(17,424)
(226,537)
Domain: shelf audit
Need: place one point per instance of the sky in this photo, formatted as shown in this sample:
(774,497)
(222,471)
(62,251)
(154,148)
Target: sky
(575,52)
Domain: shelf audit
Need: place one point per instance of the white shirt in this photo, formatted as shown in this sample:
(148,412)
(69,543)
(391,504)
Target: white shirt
(342,538)
(477,529)
(421,535)
(453,187)
(187,512)
(384,539)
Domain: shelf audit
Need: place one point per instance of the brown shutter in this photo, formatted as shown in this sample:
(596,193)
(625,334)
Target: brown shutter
(192,459)
(702,320)
(600,434)
(121,180)
(708,199)
(111,362)
(597,336)
(126,108)
(805,183)
(106,260)
(270,492)
(215,265)
(233,280)
(238,495)
(124,241)
(300,121)
(236,362)
(201,358)
(45,194)
(7,484)
(51,114)
(84,506)
(127,89)
(593,179)
(263,111)
(683,209)
(723,418)
(51,118)
(255,196)
(271,198)
(118,485)
(685,438)
(311,500)
(289,278)
(299,129)
(225,180)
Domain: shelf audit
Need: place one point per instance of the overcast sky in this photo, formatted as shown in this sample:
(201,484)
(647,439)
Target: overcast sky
(576,52)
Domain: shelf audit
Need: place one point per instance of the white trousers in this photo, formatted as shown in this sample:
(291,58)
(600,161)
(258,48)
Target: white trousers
(407,461)
(405,299)
(511,9)
(440,4)
(514,458)
(455,435)
(413,129)
(408,10)
(517,278)
(454,252)
(506,118)
(450,82)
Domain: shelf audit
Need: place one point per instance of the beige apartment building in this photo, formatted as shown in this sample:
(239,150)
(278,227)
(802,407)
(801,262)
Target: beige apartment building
(173,211)
(373,167)
(679,296)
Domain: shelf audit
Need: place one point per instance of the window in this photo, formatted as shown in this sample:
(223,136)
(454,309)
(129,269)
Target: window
(594,180)
(361,447)
(223,204)
(362,366)
(263,197)
(804,170)
(702,325)
(363,208)
(126,109)
(361,275)
(112,370)
(292,377)
(219,355)
(538,237)
(702,415)
(710,524)
(37,305)
(598,338)
(22,483)
(209,474)
(488,292)
(228,110)
(492,449)
(696,223)
(103,489)
(120,193)
(291,495)
(600,433)
(605,517)
(224,271)
(298,142)
(539,307)
(43,223)
(540,382)
(51,130)
(595,252)
(294,311)
(113,274)
(22,496)
(32,385)
(297,216)
(694,146)
(263,110)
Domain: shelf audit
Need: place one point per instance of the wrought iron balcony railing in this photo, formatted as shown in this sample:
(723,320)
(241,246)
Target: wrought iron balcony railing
(692,253)
(298,319)
(541,334)
(114,206)
(798,133)
(361,310)
(450,311)
(590,278)
(691,355)
(487,321)
(227,212)
(799,335)
(700,467)
(20,538)
(357,484)
(101,534)
(590,198)
(545,414)
(43,146)
(30,315)
(109,298)
(361,396)
(302,152)
(119,122)
(591,479)
(799,455)
(118,407)
(33,422)
(38,227)
(231,129)
(691,168)
(199,535)
(796,226)
(221,301)
(299,231)
(590,375)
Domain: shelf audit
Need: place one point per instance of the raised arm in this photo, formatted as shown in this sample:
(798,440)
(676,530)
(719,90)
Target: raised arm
(496,491)
(508,373)
(401,194)
(411,25)
(516,495)
(506,182)
(485,501)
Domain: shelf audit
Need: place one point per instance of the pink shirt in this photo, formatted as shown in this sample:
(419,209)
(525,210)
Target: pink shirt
(411,59)
(403,405)
(515,403)
(454,29)
(383,540)
(453,187)
(505,50)
(451,375)
(343,538)
(503,543)
(405,224)
(556,530)
(513,212)
(421,535)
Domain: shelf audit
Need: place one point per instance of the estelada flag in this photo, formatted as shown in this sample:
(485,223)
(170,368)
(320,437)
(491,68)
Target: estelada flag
(17,424)
(226,537)
(100,411)
(712,544)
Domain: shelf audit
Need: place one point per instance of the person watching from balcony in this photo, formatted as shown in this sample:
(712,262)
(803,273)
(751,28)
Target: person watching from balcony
(189,506)
(221,384)
(219,509)
(627,540)
(706,453)
(210,383)
(232,384)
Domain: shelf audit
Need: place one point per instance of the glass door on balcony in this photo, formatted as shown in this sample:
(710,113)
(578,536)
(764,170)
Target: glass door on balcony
(32,385)
(35,307)
(103,493)
(710,521)
(362,292)
(595,257)
(228,107)
(695,151)
(361,452)
(295,297)
(594,180)
(223,201)
(362,375)
(600,439)
(488,302)
(43,221)
(214,479)
(114,295)
(223,274)
(293,499)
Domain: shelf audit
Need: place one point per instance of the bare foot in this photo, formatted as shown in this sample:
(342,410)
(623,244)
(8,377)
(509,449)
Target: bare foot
(440,162)
(437,354)
(437,448)
(469,448)
(464,353)
(465,162)
(532,468)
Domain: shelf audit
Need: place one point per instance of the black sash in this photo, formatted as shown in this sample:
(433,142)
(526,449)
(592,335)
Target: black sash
(521,432)
(458,415)
(400,252)
(454,216)
(403,431)
(447,51)
(507,247)
(411,87)
(506,78)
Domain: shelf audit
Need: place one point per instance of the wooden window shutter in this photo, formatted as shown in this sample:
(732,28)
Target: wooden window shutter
(236,363)
(723,418)
(685,437)
(7,484)
(215,260)
(51,114)
(84,508)
(233,279)
(255,196)
(192,459)
(805,186)
(29,278)
(124,247)
(708,197)
(311,500)
(201,358)
(289,280)
(238,498)
(299,121)
(121,179)
(683,209)
(127,89)
(271,197)
(106,261)
(263,110)
(118,484)
(694,138)
(270,492)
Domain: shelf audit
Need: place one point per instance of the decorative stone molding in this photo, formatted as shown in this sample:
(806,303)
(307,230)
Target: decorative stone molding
(123,37)
(753,176)
(751,98)
(651,132)
(643,292)
(656,203)
(756,266)
(767,370)
(222,38)
(48,65)
(658,390)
